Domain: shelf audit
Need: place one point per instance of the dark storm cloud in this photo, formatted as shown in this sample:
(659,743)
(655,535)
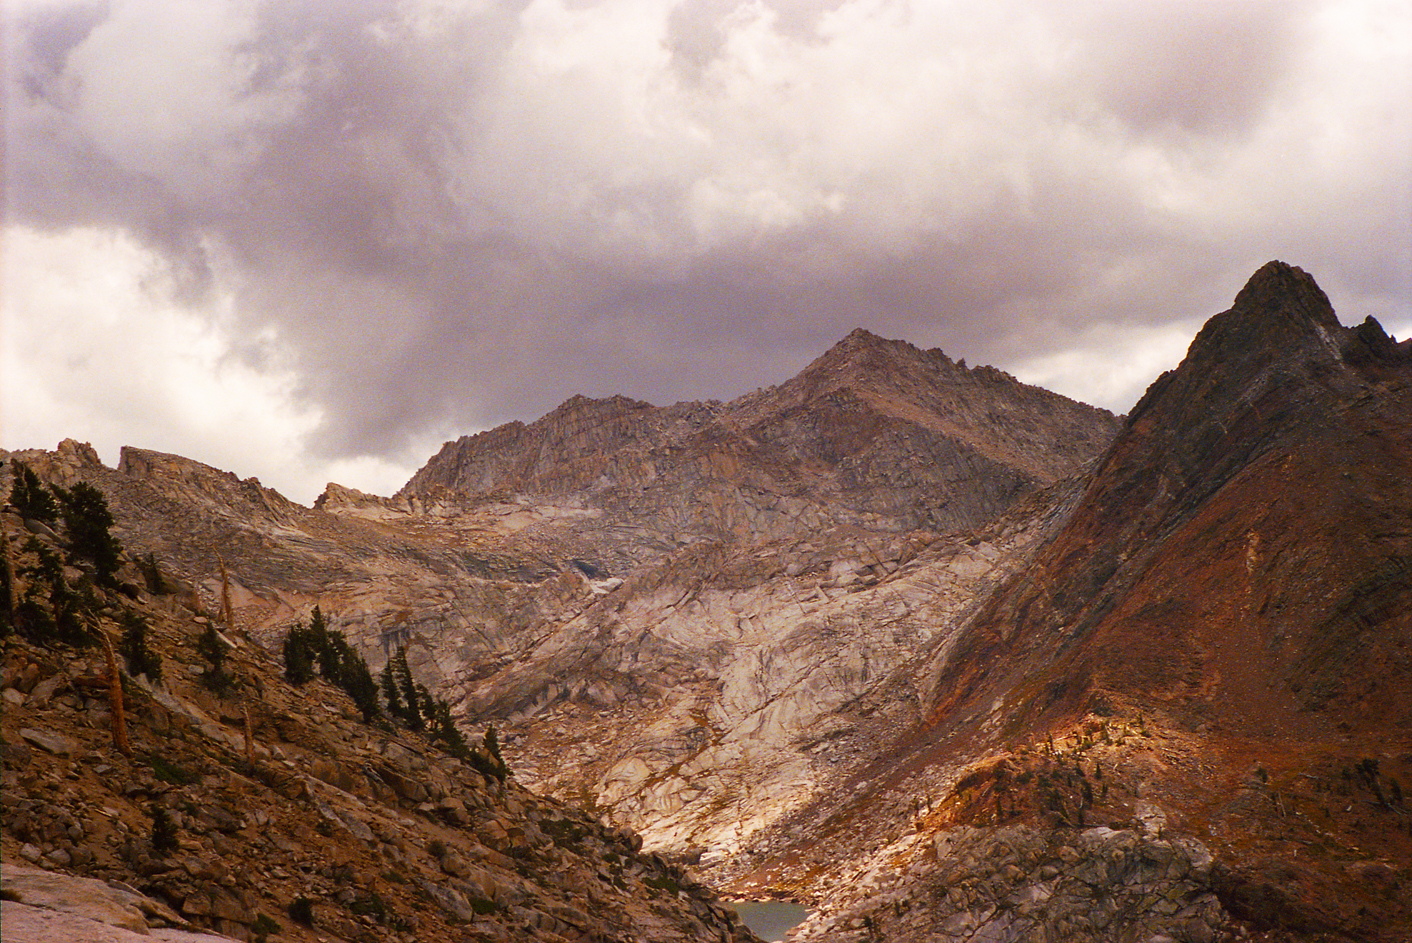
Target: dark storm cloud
(458,214)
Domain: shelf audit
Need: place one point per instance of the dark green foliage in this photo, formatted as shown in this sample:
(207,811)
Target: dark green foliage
(88,521)
(444,730)
(164,832)
(412,707)
(337,661)
(141,660)
(34,621)
(152,575)
(415,706)
(47,566)
(301,911)
(212,647)
(492,746)
(50,610)
(263,927)
(389,688)
(298,656)
(370,906)
(327,652)
(169,772)
(73,614)
(30,498)
(484,765)
(358,681)
(663,882)
(374,906)
(488,761)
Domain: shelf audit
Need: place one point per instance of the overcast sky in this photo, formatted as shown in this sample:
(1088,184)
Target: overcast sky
(309,241)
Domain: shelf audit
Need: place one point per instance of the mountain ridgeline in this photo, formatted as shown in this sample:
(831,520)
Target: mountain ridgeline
(939,654)
(875,434)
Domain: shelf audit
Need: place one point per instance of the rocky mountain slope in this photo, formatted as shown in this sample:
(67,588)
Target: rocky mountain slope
(262,810)
(944,656)
(667,611)
(1213,649)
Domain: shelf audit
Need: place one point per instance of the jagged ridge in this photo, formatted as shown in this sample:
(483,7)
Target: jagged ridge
(874,433)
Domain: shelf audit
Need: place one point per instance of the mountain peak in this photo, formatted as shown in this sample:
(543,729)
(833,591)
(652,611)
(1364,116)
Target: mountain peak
(1283,290)
(1281,321)
(864,354)
(863,339)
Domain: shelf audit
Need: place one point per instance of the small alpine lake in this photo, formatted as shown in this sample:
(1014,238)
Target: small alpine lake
(769,919)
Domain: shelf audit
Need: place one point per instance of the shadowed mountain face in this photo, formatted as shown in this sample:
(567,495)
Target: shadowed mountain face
(1241,556)
(947,656)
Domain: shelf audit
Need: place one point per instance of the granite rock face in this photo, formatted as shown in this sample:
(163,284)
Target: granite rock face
(670,613)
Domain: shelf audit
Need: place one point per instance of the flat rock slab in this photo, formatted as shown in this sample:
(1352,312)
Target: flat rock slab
(96,901)
(49,741)
(22,923)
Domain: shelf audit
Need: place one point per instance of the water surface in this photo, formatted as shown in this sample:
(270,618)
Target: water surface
(769,919)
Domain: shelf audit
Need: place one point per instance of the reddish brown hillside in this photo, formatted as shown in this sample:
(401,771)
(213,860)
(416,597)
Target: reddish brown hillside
(1239,572)
(1242,555)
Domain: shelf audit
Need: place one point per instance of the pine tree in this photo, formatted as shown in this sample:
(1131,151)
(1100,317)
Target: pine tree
(89,523)
(492,747)
(338,662)
(298,656)
(141,660)
(389,688)
(164,832)
(415,711)
(358,681)
(212,647)
(448,733)
(152,575)
(325,648)
(30,498)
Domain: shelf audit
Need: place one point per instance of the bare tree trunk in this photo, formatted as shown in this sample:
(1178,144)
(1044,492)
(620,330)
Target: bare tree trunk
(226,613)
(249,737)
(115,696)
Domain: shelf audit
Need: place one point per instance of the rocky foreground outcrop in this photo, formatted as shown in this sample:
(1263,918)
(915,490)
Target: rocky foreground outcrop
(50,907)
(247,806)
(1024,883)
